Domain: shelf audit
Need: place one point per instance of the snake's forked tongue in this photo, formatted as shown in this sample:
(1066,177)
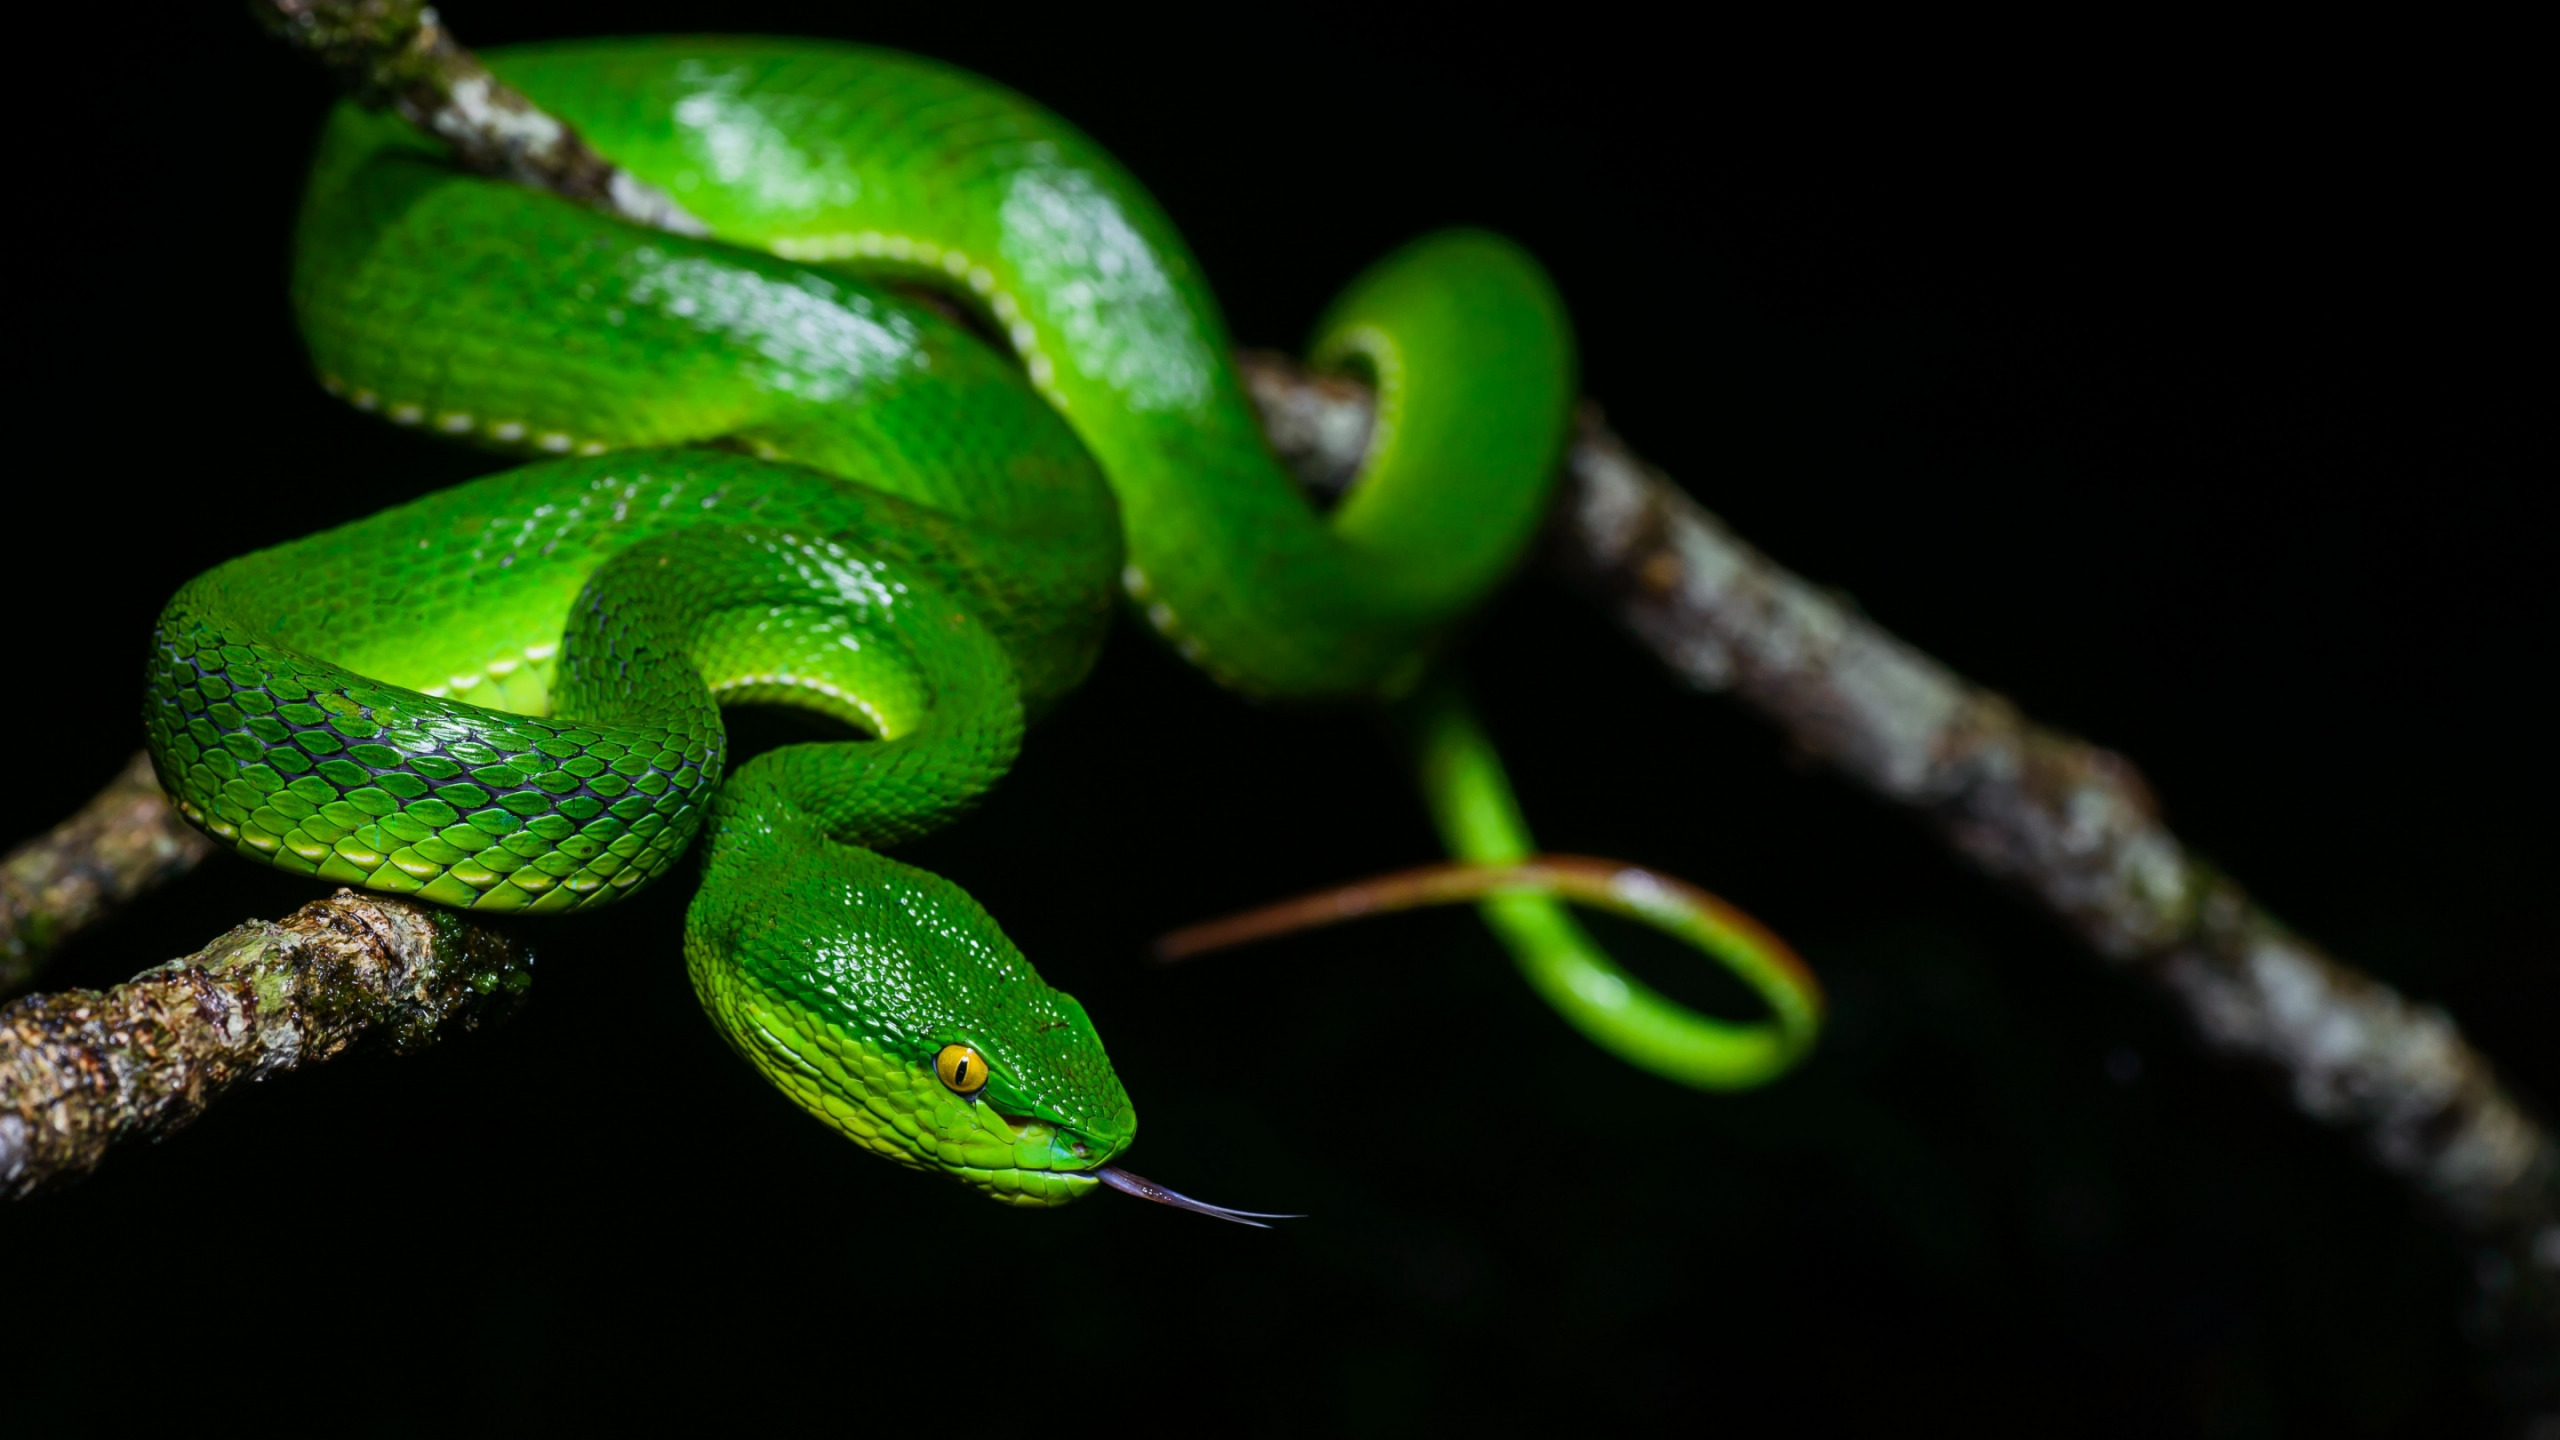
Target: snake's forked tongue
(1146,1189)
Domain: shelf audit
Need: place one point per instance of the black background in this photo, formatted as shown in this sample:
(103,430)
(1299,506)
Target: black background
(2172,384)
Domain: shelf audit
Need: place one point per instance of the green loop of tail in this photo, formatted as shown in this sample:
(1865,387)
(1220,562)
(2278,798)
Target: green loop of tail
(1480,821)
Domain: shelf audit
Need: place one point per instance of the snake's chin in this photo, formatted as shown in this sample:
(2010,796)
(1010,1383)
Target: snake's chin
(1031,1189)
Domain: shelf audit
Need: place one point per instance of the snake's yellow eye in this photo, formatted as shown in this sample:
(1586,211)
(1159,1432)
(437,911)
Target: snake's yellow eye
(962,1068)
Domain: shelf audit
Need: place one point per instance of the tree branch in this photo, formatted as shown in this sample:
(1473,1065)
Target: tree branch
(82,1071)
(2069,823)
(396,54)
(123,844)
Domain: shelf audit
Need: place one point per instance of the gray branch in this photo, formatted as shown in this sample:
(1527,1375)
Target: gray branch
(83,1071)
(396,54)
(2071,824)
(125,843)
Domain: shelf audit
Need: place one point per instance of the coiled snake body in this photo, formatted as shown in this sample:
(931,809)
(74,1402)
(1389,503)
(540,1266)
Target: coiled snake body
(779,478)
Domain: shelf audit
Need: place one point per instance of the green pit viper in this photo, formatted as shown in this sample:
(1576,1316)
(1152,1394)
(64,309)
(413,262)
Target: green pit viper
(768,472)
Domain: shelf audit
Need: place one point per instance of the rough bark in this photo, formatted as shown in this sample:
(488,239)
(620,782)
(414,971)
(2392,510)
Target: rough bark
(125,843)
(2069,823)
(83,1071)
(396,54)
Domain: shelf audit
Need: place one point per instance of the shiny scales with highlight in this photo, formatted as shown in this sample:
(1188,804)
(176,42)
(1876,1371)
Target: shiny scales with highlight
(781,477)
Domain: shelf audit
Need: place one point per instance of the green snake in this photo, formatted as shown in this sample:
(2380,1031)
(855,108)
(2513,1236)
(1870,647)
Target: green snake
(941,383)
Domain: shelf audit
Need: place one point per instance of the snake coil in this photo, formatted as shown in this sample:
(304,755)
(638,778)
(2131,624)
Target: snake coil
(765,474)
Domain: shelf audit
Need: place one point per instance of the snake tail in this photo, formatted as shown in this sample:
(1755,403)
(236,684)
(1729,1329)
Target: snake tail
(1522,895)
(1480,821)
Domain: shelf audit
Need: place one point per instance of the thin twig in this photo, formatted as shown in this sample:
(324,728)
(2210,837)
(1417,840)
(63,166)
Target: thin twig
(83,1071)
(125,843)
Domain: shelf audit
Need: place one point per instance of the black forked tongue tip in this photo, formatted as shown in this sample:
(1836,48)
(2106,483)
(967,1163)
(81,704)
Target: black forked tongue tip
(1146,1189)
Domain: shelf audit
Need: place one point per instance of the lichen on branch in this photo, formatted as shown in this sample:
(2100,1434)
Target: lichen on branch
(83,1071)
(125,843)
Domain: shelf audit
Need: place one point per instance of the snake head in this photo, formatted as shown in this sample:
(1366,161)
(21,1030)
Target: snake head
(1024,1110)
(886,1002)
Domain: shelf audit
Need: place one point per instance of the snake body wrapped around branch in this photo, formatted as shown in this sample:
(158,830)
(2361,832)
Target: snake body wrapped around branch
(939,383)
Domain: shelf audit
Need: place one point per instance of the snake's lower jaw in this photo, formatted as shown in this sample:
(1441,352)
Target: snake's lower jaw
(1034,1189)
(1051,1166)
